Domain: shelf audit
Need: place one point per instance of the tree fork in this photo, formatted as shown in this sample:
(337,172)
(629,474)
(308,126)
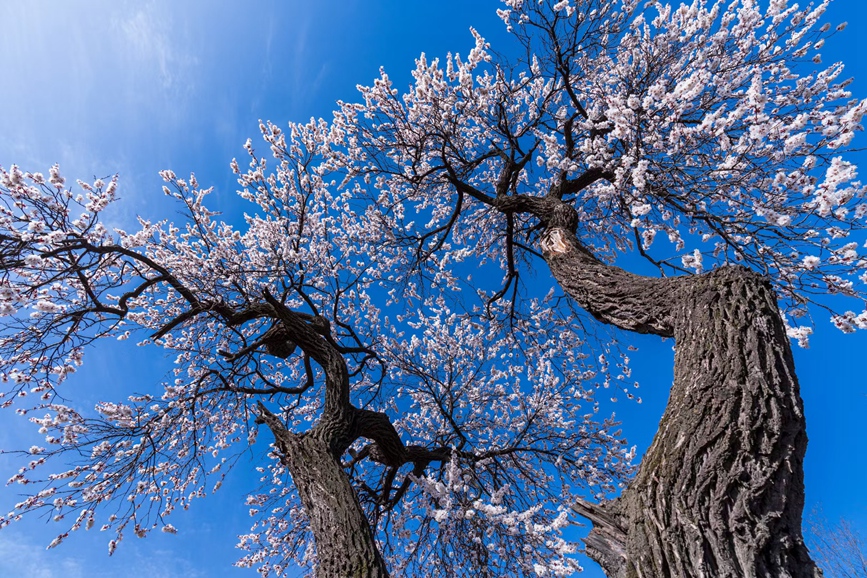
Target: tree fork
(345,546)
(720,491)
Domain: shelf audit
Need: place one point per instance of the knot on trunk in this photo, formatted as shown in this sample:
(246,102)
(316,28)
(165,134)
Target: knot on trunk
(551,211)
(277,342)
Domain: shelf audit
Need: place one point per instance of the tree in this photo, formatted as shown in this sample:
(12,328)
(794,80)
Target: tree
(839,549)
(278,326)
(434,421)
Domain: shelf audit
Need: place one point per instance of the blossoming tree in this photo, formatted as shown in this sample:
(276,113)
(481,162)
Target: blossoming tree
(431,403)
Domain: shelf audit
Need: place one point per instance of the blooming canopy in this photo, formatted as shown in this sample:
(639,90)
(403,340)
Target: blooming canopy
(404,235)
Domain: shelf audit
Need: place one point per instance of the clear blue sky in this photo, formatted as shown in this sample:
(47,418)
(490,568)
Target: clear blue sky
(107,86)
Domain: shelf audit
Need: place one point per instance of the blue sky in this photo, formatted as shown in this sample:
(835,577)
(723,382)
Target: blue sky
(106,87)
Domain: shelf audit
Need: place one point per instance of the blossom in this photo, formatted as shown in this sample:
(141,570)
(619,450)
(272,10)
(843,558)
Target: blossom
(811,262)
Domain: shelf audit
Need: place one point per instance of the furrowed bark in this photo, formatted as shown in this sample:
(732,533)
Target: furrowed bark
(720,491)
(345,546)
(610,294)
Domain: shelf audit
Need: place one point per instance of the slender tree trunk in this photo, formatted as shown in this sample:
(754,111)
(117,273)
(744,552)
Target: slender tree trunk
(345,546)
(720,491)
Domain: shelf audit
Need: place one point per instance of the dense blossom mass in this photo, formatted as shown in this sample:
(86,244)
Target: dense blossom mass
(385,282)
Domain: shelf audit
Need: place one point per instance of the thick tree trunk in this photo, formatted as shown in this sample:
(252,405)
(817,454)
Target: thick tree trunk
(344,542)
(720,491)
(345,546)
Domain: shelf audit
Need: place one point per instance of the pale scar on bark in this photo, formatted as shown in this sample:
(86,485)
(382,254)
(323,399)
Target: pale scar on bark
(554,241)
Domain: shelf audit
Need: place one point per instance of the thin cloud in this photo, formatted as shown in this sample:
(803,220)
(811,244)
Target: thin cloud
(155,47)
(149,44)
(26,557)
(19,557)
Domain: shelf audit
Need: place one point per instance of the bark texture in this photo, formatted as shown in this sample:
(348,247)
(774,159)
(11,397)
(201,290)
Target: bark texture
(720,491)
(345,546)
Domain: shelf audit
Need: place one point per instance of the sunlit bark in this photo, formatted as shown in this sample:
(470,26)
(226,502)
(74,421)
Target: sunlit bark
(344,542)
(720,491)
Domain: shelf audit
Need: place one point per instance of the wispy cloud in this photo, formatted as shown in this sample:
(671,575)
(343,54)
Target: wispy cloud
(20,557)
(151,39)
(28,558)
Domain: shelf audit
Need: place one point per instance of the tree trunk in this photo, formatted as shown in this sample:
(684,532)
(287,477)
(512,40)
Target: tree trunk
(720,491)
(345,546)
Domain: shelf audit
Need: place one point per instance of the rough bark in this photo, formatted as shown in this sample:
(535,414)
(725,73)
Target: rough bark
(345,546)
(720,491)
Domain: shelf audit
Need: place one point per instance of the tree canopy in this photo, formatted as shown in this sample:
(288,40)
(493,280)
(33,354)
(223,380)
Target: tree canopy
(385,292)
